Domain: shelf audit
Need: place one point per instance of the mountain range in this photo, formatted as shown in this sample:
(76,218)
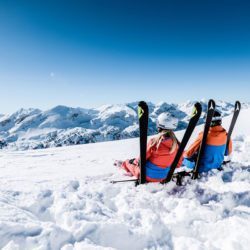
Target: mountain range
(61,125)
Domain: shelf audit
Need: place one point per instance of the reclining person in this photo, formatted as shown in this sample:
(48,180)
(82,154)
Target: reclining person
(161,151)
(215,149)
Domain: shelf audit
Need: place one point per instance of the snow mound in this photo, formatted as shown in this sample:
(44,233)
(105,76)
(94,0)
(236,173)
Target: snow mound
(62,198)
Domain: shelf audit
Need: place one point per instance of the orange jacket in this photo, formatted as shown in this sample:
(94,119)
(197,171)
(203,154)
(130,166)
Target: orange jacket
(162,156)
(217,136)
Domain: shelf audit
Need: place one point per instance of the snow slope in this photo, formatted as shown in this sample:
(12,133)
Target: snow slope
(61,198)
(62,126)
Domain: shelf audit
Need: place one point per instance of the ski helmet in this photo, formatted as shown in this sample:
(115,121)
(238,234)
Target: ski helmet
(167,121)
(217,119)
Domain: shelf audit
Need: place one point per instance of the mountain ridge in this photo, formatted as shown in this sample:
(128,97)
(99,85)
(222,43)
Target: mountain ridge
(62,125)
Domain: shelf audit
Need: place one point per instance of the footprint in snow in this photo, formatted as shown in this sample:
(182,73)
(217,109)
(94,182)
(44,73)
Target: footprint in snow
(73,186)
(40,207)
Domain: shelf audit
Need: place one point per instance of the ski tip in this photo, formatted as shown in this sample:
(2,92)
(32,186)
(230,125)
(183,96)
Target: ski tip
(211,104)
(237,105)
(142,103)
(142,109)
(197,104)
(197,108)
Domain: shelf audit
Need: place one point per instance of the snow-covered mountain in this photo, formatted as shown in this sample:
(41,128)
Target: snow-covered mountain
(59,126)
(62,198)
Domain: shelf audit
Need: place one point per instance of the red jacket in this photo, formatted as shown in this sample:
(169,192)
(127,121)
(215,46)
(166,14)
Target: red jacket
(158,161)
(162,156)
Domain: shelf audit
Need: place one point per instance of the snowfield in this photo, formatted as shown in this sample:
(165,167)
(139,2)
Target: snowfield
(64,126)
(62,198)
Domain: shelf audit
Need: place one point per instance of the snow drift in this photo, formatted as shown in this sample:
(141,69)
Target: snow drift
(61,198)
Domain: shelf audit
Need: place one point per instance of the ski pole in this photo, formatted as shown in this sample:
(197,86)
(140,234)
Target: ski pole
(113,182)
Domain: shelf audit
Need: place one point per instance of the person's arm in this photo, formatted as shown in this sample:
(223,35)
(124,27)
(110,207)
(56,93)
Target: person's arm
(194,147)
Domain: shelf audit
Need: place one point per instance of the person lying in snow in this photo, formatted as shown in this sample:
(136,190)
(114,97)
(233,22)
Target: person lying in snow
(215,149)
(161,151)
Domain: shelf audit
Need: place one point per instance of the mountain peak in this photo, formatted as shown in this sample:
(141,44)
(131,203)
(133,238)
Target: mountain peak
(33,128)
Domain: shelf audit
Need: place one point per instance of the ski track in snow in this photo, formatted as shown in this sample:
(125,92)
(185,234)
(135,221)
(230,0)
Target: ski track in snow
(62,198)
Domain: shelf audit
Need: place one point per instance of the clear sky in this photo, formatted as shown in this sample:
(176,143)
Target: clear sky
(88,53)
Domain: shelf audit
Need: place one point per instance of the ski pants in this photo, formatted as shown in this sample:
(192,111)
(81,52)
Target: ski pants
(131,167)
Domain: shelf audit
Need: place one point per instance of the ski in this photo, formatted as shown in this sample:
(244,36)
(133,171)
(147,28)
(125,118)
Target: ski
(191,126)
(210,113)
(237,108)
(143,128)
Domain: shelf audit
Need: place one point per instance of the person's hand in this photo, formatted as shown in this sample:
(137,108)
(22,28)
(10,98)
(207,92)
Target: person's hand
(131,161)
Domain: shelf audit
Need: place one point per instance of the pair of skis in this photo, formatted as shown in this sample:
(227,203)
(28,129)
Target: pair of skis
(143,126)
(210,113)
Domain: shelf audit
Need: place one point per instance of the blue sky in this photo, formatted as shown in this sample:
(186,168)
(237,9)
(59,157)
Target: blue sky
(89,53)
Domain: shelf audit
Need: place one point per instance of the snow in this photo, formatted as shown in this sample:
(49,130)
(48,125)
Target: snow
(62,198)
(63,126)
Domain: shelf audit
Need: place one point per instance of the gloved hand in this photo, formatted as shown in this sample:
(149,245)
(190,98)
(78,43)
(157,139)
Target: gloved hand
(131,161)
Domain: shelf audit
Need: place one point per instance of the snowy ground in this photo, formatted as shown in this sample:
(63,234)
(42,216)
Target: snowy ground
(61,198)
